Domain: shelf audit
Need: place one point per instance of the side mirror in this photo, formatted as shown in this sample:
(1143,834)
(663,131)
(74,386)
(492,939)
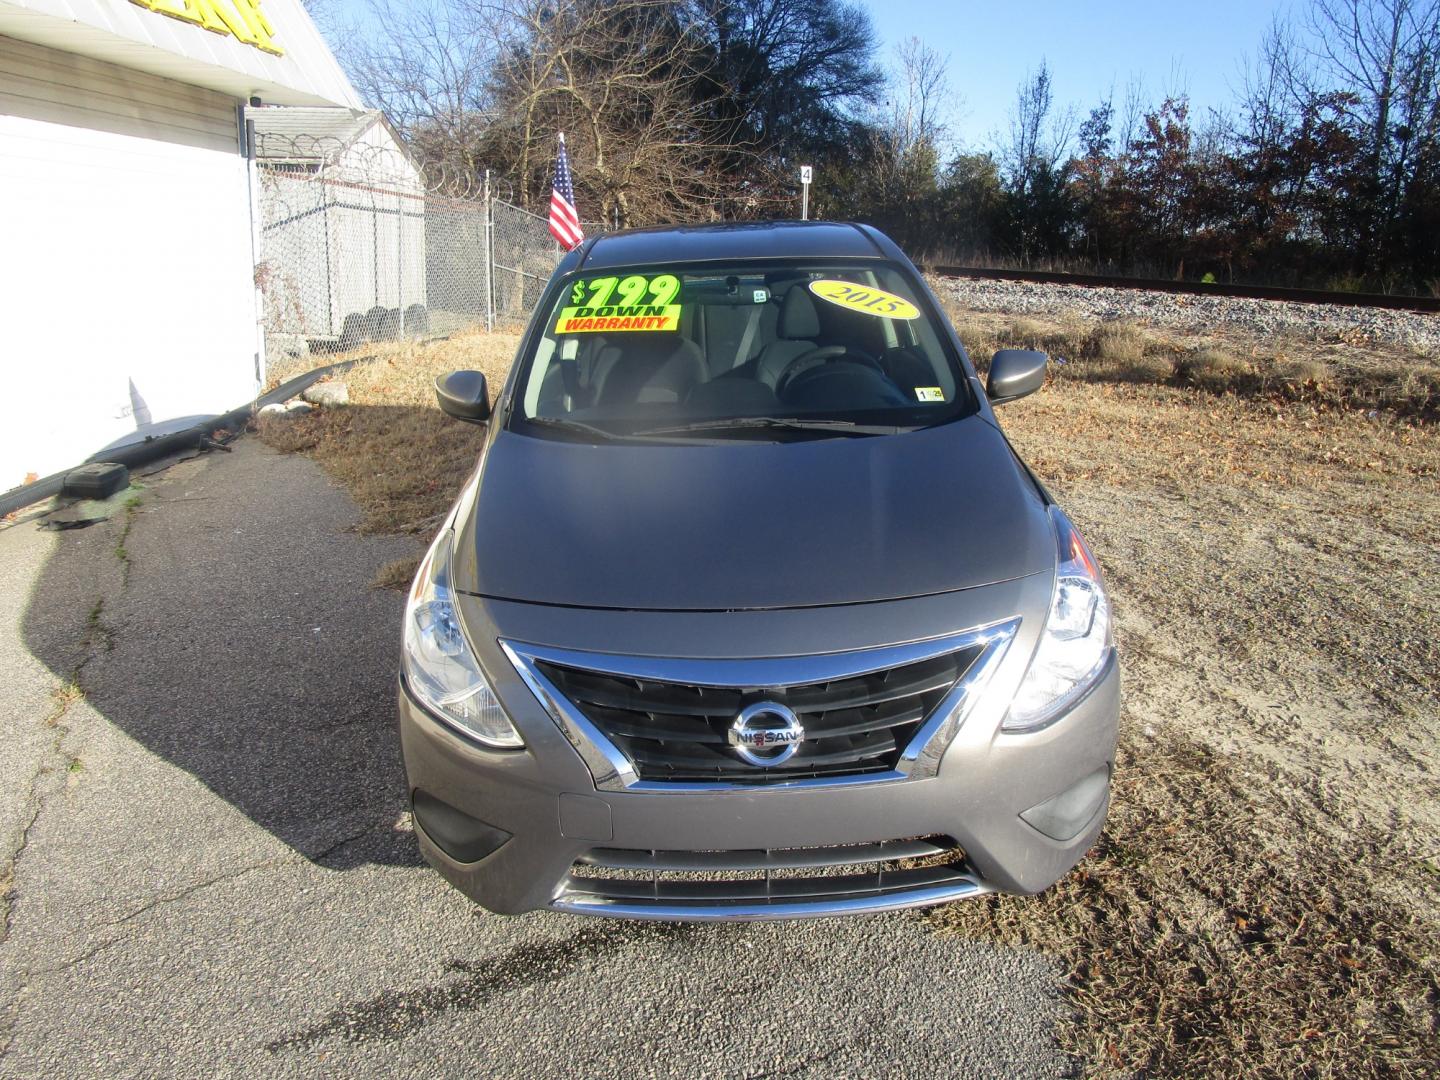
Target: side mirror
(1015,373)
(464,396)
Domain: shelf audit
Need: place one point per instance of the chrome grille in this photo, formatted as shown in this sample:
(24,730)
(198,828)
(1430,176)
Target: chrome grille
(776,883)
(677,732)
(645,723)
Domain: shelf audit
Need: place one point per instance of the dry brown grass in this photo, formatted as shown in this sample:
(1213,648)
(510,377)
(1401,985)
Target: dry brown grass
(1214,369)
(1263,900)
(1335,373)
(1192,944)
(397,574)
(1117,341)
(1257,905)
(1122,351)
(392,448)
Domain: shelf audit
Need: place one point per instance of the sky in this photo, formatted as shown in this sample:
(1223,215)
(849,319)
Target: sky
(1094,49)
(1090,47)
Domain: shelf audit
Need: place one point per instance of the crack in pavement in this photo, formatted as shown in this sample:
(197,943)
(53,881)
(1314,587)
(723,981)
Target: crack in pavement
(53,766)
(33,803)
(157,902)
(54,761)
(320,856)
(190,890)
(181,894)
(42,786)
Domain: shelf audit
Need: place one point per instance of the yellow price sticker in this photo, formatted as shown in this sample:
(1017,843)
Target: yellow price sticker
(864,299)
(578,320)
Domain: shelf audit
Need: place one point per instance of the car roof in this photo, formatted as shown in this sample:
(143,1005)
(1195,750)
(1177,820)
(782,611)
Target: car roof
(731,240)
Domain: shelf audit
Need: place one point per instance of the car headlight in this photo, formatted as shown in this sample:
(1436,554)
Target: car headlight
(1075,644)
(440,668)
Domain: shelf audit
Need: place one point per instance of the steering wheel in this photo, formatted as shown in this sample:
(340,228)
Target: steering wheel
(822,354)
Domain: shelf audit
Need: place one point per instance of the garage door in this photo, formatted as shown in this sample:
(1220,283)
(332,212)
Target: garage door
(126,274)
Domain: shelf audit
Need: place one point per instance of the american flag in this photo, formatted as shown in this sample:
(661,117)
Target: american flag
(564,221)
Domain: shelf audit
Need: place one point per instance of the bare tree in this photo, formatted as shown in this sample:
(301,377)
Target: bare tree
(921,93)
(1383,54)
(427,64)
(618,76)
(906,134)
(489,83)
(1133,108)
(787,71)
(1039,136)
(1039,142)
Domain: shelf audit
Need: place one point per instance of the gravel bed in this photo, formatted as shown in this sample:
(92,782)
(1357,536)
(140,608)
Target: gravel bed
(1197,313)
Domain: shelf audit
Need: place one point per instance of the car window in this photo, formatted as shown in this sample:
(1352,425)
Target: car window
(643,350)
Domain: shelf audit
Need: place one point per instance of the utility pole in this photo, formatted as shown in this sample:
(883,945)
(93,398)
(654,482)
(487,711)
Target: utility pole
(806,174)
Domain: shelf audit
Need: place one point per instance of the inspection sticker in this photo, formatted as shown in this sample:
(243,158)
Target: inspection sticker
(862,298)
(636,302)
(929,393)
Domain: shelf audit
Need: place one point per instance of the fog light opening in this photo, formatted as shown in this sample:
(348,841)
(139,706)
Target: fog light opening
(1064,816)
(460,836)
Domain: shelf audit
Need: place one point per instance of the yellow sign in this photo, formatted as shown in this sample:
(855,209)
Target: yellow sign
(611,303)
(631,291)
(862,298)
(929,393)
(577,320)
(240,19)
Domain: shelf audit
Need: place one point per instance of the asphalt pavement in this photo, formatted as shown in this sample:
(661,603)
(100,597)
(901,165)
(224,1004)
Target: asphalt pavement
(209,871)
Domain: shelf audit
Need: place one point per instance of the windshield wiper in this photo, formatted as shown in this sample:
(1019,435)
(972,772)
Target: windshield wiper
(579,427)
(791,423)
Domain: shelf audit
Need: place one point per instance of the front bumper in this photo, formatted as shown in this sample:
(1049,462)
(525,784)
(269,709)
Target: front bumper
(543,806)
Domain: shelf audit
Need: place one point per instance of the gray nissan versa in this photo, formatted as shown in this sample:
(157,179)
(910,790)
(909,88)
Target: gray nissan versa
(749,610)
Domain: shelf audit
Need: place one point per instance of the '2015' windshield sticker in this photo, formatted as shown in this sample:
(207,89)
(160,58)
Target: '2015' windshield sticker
(630,303)
(929,393)
(862,298)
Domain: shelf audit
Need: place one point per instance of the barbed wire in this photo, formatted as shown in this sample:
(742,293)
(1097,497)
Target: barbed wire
(359,242)
(385,163)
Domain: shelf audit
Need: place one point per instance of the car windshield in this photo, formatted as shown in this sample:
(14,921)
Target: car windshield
(777,350)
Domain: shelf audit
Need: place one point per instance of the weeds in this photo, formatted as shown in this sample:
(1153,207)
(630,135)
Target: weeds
(397,454)
(61,698)
(1116,342)
(1402,381)
(1214,369)
(1193,945)
(396,575)
(131,507)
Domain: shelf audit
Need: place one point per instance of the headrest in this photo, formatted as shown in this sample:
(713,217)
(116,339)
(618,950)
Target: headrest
(798,317)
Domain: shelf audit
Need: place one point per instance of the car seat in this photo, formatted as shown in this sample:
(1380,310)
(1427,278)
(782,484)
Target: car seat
(647,368)
(798,327)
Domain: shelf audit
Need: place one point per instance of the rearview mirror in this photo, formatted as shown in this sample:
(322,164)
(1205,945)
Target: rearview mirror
(464,396)
(1015,373)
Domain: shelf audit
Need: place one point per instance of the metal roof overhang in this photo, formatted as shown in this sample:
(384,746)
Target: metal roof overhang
(132,37)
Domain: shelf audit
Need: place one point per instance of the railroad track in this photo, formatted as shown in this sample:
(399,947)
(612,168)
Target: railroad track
(1253,292)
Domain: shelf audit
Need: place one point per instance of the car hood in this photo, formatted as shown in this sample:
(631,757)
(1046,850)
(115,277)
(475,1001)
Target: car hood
(746,524)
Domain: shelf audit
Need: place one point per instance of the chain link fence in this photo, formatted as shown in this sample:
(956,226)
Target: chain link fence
(356,245)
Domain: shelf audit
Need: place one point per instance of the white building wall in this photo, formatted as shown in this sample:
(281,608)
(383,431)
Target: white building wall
(126,291)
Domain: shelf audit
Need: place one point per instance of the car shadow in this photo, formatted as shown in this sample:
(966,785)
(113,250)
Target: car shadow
(222,615)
